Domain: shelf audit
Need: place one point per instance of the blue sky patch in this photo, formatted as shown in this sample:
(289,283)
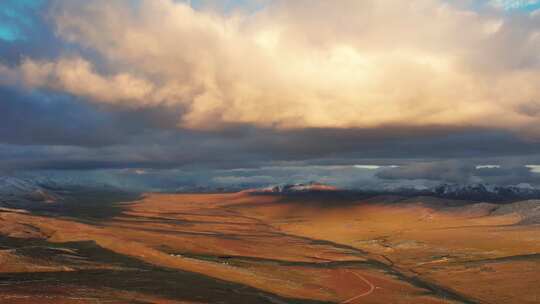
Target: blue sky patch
(521,5)
(17,17)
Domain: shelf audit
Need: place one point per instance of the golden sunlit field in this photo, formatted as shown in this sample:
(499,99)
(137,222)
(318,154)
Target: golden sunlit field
(253,248)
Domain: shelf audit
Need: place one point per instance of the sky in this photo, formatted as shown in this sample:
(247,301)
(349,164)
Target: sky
(166,94)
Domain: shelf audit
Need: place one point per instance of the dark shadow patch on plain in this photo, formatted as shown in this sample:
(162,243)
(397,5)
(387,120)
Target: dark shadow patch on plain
(87,205)
(134,276)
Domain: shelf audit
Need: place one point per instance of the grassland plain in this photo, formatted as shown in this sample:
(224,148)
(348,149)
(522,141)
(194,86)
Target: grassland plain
(247,248)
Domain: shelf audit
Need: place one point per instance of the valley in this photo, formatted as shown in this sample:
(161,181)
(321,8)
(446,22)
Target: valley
(271,248)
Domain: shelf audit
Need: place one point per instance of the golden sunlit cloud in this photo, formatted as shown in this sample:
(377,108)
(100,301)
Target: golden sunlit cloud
(299,64)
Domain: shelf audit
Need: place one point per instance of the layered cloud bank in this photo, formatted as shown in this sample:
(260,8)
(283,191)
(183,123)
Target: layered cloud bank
(444,90)
(299,64)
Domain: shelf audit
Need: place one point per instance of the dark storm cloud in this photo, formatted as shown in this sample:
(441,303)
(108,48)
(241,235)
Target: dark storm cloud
(46,118)
(390,142)
(69,139)
(50,119)
(45,130)
(463,172)
(509,175)
(451,171)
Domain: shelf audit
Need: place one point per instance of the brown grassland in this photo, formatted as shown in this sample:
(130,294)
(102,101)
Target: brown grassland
(246,248)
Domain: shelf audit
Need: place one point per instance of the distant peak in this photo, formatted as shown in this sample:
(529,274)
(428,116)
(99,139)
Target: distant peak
(295,188)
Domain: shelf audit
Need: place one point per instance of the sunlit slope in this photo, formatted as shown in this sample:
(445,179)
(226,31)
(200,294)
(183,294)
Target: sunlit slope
(289,248)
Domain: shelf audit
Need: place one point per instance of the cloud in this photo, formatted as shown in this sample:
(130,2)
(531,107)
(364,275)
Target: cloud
(315,64)
(463,172)
(157,84)
(451,171)
(367,167)
(61,132)
(236,181)
(76,76)
(487,167)
(533,168)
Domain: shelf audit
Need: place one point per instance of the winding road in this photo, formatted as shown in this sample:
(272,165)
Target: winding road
(368,292)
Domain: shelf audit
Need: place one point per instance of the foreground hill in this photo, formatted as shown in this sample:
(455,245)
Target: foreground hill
(314,247)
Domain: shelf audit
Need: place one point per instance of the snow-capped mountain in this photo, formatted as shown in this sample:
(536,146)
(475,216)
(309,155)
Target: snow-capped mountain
(295,188)
(24,190)
(472,192)
(485,192)
(29,191)
(21,192)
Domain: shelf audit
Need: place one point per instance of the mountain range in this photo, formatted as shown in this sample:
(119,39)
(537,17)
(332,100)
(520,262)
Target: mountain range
(18,191)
